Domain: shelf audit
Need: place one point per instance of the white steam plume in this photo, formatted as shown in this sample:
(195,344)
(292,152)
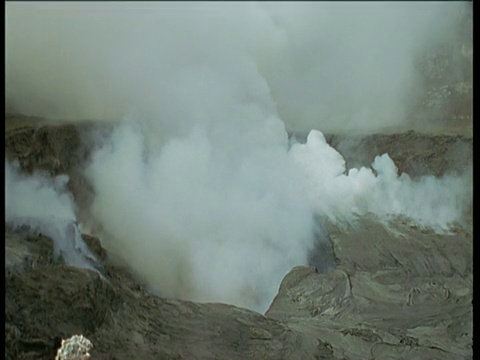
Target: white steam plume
(431,202)
(213,216)
(198,190)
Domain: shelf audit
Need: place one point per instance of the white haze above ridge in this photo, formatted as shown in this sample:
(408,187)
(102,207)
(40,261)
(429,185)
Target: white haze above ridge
(197,188)
(327,65)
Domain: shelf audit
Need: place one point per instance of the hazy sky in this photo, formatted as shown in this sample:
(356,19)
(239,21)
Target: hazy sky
(324,65)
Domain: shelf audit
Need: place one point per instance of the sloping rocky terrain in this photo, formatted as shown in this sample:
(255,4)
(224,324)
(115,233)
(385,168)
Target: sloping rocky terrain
(395,292)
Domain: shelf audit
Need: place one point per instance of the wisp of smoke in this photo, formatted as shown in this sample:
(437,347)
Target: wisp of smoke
(198,188)
(43,205)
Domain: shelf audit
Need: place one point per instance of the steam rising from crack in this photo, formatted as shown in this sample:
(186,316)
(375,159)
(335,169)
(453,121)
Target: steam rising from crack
(198,188)
(44,205)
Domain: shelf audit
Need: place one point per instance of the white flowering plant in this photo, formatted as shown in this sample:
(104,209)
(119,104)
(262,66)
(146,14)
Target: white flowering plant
(75,348)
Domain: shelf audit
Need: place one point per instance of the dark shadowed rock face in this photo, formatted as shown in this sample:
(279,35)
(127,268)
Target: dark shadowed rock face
(413,153)
(53,149)
(373,292)
(322,256)
(46,301)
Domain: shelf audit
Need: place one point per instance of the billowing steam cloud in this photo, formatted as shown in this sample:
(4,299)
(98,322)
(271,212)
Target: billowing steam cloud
(198,188)
(381,191)
(214,221)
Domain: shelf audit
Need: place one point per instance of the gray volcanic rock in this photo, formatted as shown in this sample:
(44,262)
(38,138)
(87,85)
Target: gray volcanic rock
(46,301)
(414,153)
(397,293)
